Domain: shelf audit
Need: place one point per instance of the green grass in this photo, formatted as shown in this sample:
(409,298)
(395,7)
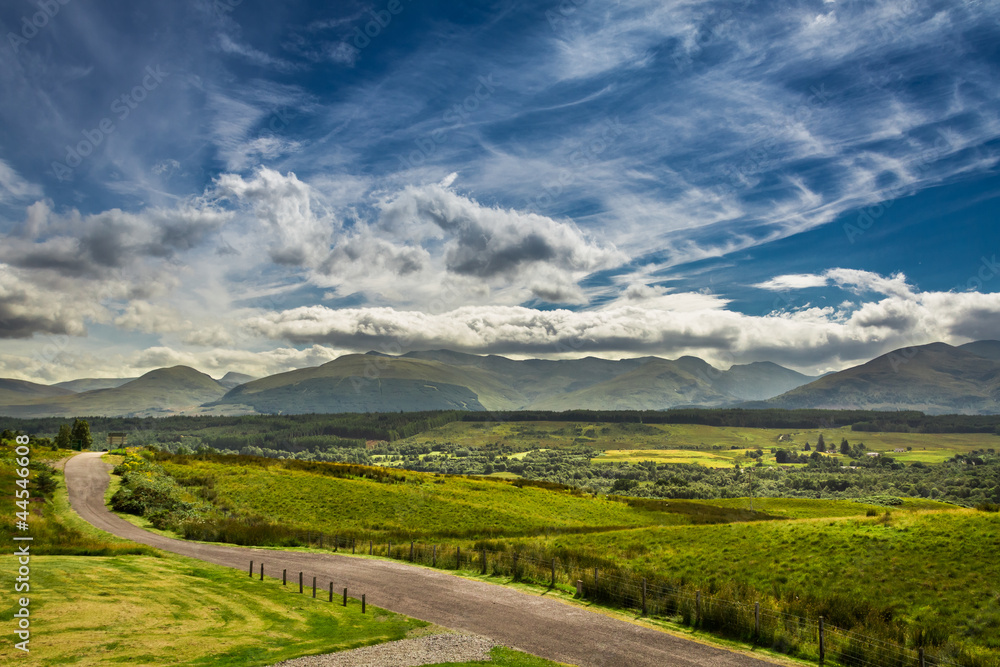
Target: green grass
(926,564)
(424,506)
(133,610)
(927,567)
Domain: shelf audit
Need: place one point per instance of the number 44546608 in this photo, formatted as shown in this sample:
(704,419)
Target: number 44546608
(22,472)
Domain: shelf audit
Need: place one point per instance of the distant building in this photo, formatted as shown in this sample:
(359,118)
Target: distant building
(873,454)
(900,450)
(117,439)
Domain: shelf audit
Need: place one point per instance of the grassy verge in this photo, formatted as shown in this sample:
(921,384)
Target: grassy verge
(178,611)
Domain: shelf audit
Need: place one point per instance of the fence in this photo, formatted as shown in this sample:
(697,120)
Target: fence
(760,623)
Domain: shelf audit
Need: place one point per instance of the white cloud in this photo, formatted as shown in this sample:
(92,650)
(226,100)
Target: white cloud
(13,187)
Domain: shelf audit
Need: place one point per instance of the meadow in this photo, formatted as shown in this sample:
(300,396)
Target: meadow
(900,567)
(97,599)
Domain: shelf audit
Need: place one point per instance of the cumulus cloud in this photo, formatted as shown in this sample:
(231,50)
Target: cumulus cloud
(664,323)
(300,228)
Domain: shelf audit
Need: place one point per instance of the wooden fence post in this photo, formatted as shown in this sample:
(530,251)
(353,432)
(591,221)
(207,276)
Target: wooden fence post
(920,656)
(369,547)
(262,572)
(756,618)
(553,584)
(458,558)
(251,569)
(284,577)
(352,545)
(331,591)
(644,609)
(411,551)
(483,559)
(514,574)
(300,582)
(345,597)
(321,540)
(595,578)
(434,556)
(389,552)
(314,586)
(362,603)
(579,588)
(697,606)
(822,646)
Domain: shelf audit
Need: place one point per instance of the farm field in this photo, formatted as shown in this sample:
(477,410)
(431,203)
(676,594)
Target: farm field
(726,443)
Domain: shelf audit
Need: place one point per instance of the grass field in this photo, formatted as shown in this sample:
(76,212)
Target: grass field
(634,442)
(143,610)
(925,564)
(424,506)
(936,569)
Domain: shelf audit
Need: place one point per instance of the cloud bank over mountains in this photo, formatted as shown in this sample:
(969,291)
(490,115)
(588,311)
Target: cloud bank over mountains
(551,179)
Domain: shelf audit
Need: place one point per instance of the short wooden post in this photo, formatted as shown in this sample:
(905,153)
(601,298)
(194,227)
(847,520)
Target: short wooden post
(389,552)
(458,558)
(697,605)
(345,597)
(483,559)
(579,588)
(595,578)
(362,603)
(336,542)
(644,609)
(553,584)
(300,582)
(331,591)
(251,569)
(262,572)
(284,577)
(434,556)
(314,586)
(514,567)
(411,551)
(369,547)
(756,618)
(822,646)
(352,545)
(920,656)
(321,540)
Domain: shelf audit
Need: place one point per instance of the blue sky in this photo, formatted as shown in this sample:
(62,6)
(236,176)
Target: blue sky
(256,186)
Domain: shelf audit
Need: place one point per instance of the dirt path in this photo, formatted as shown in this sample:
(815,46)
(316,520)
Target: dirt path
(539,625)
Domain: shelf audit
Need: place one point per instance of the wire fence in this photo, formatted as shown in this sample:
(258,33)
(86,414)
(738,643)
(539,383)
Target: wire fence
(761,623)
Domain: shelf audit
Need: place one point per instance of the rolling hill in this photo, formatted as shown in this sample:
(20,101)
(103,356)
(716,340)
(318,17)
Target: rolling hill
(935,378)
(161,392)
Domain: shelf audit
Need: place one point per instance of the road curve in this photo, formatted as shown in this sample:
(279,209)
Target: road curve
(539,625)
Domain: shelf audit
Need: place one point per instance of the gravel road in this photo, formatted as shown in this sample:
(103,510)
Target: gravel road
(531,623)
(404,653)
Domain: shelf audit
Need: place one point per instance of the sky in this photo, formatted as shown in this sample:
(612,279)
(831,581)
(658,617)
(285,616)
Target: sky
(257,186)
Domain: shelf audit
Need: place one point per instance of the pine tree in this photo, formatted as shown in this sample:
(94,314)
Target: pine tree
(81,435)
(845,447)
(820,444)
(65,438)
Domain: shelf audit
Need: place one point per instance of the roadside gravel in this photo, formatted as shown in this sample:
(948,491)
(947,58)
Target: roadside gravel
(429,650)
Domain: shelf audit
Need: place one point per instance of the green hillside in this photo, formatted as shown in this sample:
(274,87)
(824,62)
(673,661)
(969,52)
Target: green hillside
(935,378)
(375,383)
(160,392)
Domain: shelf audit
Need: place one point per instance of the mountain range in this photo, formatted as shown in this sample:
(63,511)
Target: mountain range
(935,378)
